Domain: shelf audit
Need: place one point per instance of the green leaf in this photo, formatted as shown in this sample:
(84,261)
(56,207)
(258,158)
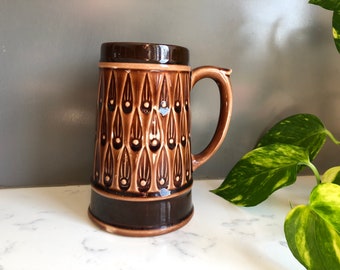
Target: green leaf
(336,28)
(312,231)
(325,201)
(260,172)
(332,175)
(304,130)
(327,4)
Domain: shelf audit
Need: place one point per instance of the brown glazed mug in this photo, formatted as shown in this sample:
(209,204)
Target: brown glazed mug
(143,164)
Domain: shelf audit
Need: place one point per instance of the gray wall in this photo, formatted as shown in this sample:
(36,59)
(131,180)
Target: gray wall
(281,53)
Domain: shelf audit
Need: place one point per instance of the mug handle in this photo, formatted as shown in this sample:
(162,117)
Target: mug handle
(221,78)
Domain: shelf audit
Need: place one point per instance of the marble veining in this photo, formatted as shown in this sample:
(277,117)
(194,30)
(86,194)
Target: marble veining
(48,228)
(186,244)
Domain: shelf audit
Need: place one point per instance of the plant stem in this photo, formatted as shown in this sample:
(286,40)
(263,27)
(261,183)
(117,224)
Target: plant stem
(330,135)
(314,170)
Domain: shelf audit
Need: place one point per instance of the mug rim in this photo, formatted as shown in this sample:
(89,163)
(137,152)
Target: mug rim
(144,52)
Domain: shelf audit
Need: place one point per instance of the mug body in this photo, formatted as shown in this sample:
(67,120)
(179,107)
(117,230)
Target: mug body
(142,174)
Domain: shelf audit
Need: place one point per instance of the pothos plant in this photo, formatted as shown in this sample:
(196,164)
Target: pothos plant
(312,231)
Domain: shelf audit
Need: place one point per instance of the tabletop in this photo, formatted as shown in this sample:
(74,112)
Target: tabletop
(48,228)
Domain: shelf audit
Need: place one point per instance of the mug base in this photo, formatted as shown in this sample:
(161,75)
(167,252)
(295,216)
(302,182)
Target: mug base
(138,232)
(131,217)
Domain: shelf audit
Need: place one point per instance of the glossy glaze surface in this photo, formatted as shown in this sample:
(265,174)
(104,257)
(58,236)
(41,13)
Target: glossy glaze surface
(133,52)
(143,163)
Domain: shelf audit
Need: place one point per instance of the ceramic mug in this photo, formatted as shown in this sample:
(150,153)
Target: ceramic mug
(143,164)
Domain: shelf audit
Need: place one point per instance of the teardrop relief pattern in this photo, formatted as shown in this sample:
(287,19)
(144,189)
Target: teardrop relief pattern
(183,130)
(171,132)
(101,90)
(186,92)
(103,128)
(164,98)
(154,133)
(163,170)
(96,171)
(117,131)
(125,170)
(108,167)
(111,100)
(146,104)
(169,163)
(144,172)
(177,96)
(136,133)
(127,96)
(178,174)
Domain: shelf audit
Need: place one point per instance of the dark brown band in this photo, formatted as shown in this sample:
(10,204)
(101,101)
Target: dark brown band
(141,216)
(133,52)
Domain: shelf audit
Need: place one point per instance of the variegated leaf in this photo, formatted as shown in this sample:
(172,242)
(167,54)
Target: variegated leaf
(305,130)
(312,231)
(332,175)
(260,172)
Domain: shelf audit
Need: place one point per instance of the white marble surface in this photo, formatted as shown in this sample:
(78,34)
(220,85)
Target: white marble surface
(48,228)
